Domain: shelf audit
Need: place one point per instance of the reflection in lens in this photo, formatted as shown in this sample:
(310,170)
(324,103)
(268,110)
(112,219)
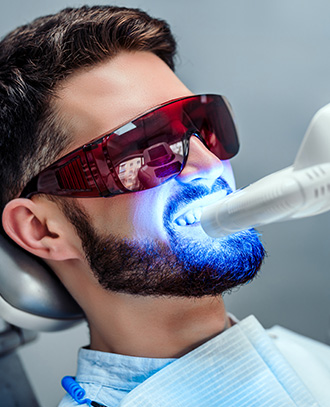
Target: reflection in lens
(128,173)
(177,148)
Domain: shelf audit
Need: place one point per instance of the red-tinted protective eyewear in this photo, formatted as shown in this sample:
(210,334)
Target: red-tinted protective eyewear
(143,153)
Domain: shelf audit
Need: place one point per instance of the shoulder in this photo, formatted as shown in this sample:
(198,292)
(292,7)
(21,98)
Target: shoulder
(309,358)
(296,346)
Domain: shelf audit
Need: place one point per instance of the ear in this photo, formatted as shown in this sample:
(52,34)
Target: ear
(41,228)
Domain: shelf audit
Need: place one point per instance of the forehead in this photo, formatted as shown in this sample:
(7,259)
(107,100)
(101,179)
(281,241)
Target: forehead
(96,100)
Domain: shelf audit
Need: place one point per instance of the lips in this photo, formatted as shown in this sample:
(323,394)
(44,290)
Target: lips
(193,214)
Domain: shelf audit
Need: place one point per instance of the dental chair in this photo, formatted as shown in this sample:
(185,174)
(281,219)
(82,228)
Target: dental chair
(32,299)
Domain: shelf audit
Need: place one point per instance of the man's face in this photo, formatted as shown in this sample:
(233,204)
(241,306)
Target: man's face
(151,242)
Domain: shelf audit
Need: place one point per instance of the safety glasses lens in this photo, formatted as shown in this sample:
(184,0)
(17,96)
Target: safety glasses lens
(153,148)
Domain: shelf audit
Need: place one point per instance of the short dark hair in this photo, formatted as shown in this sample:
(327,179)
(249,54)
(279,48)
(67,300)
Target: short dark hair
(34,58)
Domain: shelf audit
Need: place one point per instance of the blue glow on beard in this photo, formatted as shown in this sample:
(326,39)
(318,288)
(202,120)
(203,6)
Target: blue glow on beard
(230,261)
(190,264)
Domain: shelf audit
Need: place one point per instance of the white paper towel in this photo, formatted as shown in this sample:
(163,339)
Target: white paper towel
(239,368)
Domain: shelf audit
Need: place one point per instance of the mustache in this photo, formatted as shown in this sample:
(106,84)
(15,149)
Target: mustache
(189,193)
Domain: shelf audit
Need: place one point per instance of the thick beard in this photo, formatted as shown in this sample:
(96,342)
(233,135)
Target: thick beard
(186,267)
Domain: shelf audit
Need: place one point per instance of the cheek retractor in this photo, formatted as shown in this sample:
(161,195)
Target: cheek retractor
(298,191)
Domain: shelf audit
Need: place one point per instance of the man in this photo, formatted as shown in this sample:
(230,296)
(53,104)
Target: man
(113,204)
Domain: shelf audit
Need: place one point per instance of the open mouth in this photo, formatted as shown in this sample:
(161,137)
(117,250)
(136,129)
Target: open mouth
(193,215)
(189,218)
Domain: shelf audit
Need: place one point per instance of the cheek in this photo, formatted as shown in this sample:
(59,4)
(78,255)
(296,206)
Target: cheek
(137,215)
(228,174)
(106,214)
(147,214)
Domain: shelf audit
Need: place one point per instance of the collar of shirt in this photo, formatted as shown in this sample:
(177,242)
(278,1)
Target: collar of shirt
(117,371)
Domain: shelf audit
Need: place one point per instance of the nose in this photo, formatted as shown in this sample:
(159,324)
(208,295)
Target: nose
(201,164)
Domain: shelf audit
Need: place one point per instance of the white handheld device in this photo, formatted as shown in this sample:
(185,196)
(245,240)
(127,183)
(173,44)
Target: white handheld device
(298,191)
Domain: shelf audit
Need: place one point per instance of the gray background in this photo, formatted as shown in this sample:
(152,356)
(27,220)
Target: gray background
(272,60)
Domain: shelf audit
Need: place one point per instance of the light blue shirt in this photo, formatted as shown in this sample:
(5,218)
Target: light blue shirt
(108,377)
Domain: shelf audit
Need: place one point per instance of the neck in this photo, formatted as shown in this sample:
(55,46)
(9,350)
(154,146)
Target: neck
(153,327)
(156,327)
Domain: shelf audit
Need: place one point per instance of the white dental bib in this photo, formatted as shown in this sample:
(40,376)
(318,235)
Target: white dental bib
(239,368)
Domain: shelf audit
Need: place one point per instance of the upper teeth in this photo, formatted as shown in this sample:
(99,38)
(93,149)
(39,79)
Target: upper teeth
(194,215)
(189,217)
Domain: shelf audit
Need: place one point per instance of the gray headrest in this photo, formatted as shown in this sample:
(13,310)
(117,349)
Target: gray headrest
(31,296)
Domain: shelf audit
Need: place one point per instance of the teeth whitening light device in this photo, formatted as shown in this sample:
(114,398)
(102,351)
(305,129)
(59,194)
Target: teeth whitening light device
(298,191)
